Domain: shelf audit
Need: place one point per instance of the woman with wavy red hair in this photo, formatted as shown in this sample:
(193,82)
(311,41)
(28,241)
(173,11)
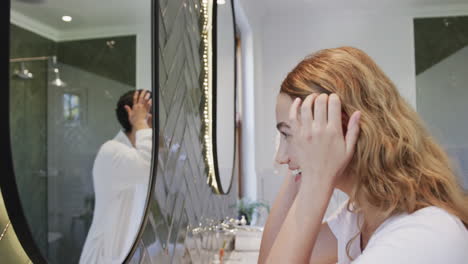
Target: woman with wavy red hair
(344,125)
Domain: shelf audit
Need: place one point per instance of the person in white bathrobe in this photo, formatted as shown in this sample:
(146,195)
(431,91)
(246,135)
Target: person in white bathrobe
(121,174)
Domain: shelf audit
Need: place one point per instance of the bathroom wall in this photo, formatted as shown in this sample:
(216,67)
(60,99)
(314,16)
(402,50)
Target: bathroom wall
(182,199)
(442,53)
(28,121)
(110,57)
(285,36)
(442,101)
(436,38)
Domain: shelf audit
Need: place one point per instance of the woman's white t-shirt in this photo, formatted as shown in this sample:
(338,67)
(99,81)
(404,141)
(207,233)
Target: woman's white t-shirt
(427,236)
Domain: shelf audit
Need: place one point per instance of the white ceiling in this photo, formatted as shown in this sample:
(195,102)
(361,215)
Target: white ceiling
(361,4)
(111,13)
(356,3)
(86,14)
(105,15)
(262,7)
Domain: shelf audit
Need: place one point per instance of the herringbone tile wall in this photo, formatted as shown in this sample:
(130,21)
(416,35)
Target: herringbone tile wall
(182,200)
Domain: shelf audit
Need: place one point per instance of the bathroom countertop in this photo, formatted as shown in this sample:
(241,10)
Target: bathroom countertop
(247,246)
(238,257)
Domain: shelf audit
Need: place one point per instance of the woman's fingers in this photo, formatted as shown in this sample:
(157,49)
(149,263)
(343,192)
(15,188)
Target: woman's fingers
(141,98)
(320,110)
(306,109)
(326,112)
(352,133)
(334,112)
(293,113)
(135,97)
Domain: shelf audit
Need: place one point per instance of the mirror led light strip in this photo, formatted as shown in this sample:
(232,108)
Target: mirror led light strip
(4,230)
(11,250)
(206,9)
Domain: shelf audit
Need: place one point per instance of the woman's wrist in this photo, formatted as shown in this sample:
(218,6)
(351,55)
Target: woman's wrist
(311,181)
(294,183)
(140,125)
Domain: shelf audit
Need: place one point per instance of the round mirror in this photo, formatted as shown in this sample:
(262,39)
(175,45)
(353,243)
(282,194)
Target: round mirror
(81,141)
(225,93)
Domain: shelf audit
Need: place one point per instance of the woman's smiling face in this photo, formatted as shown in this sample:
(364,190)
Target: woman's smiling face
(285,153)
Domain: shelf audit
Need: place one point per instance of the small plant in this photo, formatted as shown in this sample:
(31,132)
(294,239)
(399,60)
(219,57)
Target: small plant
(247,208)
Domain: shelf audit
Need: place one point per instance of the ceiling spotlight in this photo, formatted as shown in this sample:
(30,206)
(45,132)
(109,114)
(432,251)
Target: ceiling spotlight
(32,1)
(67,18)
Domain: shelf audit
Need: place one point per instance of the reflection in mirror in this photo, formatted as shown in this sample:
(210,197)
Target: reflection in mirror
(225,86)
(441,48)
(81,141)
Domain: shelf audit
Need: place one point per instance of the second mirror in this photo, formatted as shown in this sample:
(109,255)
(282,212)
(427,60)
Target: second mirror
(81,124)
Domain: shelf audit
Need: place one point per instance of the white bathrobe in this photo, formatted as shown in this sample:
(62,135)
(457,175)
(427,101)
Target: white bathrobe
(121,175)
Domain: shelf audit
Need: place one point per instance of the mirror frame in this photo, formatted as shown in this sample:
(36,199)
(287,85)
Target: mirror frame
(8,185)
(219,188)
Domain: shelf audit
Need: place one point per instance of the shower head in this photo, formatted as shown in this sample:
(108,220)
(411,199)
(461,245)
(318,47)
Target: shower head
(23,73)
(57,81)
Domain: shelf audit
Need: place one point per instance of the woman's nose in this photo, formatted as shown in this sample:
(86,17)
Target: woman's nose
(281,158)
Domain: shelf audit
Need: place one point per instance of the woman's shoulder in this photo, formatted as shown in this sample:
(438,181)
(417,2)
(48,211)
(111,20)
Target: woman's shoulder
(427,231)
(111,147)
(431,218)
(429,235)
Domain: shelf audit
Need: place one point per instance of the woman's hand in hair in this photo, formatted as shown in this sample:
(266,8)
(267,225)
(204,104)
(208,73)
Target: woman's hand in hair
(139,112)
(322,150)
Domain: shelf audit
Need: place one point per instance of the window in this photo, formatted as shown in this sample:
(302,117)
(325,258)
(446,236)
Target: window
(71,107)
